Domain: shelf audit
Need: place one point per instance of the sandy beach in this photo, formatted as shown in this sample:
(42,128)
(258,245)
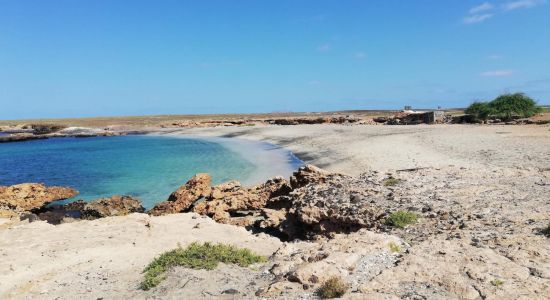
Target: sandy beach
(104,258)
(355,149)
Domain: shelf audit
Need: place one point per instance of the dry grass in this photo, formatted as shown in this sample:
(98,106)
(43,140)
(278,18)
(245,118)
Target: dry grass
(157,120)
(335,287)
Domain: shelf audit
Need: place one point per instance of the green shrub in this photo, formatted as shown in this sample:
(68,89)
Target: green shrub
(400,219)
(479,110)
(497,282)
(197,256)
(508,106)
(335,287)
(391,181)
(394,247)
(546,230)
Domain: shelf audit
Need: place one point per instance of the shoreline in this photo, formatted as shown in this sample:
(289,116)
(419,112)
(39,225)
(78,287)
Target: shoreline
(478,194)
(354,149)
(270,160)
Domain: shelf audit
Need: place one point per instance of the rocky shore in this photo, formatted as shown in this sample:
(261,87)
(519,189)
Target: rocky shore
(19,133)
(477,234)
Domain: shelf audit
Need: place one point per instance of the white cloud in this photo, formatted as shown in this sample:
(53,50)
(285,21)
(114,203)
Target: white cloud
(481,8)
(520,4)
(476,18)
(323,48)
(360,55)
(497,73)
(486,10)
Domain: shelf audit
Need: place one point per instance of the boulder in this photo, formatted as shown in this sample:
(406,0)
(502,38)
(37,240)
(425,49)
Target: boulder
(27,197)
(114,206)
(306,175)
(231,197)
(182,199)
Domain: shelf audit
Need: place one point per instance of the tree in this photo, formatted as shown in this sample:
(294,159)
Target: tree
(508,106)
(479,110)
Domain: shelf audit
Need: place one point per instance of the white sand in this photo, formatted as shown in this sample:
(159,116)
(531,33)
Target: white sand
(104,257)
(354,149)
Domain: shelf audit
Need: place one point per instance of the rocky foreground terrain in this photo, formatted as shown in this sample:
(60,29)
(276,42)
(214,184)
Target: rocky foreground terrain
(479,234)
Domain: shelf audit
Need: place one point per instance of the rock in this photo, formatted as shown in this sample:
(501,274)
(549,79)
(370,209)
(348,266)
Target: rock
(114,206)
(358,257)
(20,137)
(306,175)
(273,218)
(40,129)
(29,217)
(27,197)
(185,196)
(231,197)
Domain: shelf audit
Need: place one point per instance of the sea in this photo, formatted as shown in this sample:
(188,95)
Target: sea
(148,167)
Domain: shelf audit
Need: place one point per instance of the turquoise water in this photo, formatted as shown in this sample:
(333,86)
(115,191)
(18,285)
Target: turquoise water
(148,167)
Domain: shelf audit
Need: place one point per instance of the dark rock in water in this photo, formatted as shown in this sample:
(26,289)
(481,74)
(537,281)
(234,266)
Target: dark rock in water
(114,206)
(20,137)
(100,208)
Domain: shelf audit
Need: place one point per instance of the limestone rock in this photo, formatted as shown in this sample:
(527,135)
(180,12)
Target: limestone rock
(231,197)
(114,206)
(306,175)
(26,197)
(185,196)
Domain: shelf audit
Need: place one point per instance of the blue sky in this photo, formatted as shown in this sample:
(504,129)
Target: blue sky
(113,57)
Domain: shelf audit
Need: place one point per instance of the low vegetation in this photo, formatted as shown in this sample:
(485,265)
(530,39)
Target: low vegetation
(479,111)
(197,256)
(334,287)
(497,282)
(400,219)
(394,248)
(391,181)
(506,107)
(546,230)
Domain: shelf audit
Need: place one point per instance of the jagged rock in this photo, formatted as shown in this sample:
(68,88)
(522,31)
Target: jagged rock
(339,204)
(185,196)
(272,218)
(230,197)
(358,257)
(114,206)
(26,197)
(306,175)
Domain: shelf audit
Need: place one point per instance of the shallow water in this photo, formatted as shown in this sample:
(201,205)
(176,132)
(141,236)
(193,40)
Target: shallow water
(148,167)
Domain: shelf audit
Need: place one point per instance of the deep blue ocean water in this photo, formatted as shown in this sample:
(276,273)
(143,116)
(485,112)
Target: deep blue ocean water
(148,167)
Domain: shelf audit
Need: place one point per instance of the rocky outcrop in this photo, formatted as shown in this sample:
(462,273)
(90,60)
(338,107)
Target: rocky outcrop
(40,129)
(313,202)
(95,209)
(20,137)
(318,120)
(26,197)
(113,206)
(180,200)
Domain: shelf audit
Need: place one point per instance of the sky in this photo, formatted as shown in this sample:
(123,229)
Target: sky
(113,57)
